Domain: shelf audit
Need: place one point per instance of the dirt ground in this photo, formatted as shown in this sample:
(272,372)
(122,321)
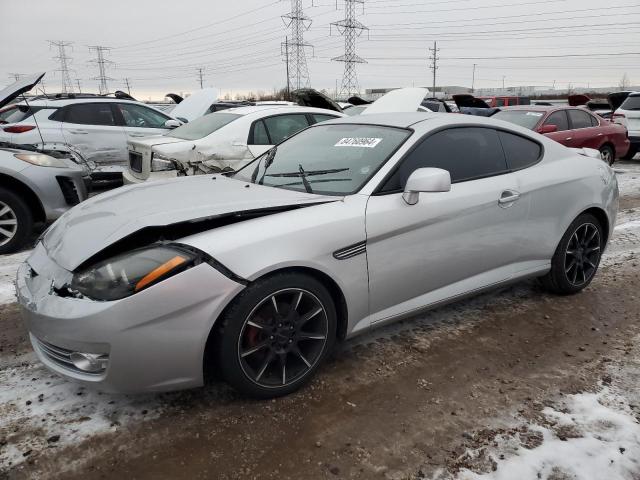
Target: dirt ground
(425,398)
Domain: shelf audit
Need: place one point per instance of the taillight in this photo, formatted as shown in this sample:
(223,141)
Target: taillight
(18,128)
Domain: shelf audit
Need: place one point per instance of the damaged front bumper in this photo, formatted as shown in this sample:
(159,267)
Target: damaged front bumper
(151,341)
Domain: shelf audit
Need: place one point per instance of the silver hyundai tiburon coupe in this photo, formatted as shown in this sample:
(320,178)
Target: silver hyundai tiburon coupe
(348,225)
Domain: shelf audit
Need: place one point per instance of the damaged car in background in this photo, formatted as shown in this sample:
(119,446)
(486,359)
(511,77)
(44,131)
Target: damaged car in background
(96,126)
(37,184)
(347,225)
(220,141)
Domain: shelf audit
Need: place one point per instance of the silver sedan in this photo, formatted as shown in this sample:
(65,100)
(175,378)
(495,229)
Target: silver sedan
(346,226)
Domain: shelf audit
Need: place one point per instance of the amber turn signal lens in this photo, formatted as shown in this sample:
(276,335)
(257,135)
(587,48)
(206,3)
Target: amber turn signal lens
(160,271)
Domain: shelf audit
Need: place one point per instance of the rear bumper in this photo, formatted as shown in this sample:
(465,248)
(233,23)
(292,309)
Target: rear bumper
(153,341)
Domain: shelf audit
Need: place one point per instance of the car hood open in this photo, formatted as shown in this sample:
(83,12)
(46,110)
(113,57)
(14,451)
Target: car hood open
(308,97)
(195,105)
(616,99)
(400,100)
(178,204)
(465,100)
(26,83)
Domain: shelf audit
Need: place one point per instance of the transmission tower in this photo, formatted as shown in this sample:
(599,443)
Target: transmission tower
(350,29)
(67,86)
(434,63)
(294,48)
(102,64)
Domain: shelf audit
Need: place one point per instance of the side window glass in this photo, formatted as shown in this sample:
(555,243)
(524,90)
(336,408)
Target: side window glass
(283,126)
(260,136)
(90,114)
(559,119)
(466,153)
(520,152)
(594,121)
(579,119)
(139,116)
(318,117)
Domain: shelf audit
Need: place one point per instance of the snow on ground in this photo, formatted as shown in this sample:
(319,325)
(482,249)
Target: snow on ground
(591,435)
(8,268)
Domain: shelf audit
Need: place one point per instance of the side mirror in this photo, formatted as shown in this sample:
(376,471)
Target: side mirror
(172,124)
(426,180)
(548,129)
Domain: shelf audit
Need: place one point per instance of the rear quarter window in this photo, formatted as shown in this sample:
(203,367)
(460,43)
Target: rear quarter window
(631,103)
(519,151)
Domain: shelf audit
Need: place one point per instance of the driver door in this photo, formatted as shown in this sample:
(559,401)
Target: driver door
(449,243)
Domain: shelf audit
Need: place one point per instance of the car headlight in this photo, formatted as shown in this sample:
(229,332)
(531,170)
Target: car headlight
(40,159)
(161,163)
(130,273)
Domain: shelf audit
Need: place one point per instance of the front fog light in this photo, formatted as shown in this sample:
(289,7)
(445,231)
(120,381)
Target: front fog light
(89,362)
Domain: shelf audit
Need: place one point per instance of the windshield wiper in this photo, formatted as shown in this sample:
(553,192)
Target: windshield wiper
(311,173)
(267,163)
(307,185)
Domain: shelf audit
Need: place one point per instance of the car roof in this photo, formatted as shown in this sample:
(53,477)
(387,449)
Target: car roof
(62,102)
(398,120)
(267,109)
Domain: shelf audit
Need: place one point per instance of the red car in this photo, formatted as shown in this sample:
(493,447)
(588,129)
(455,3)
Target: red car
(572,127)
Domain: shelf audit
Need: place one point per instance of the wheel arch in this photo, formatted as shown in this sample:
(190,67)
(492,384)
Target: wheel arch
(603,218)
(208,360)
(32,200)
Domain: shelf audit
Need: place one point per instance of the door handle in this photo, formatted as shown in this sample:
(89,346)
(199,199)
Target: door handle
(568,138)
(137,135)
(508,198)
(78,132)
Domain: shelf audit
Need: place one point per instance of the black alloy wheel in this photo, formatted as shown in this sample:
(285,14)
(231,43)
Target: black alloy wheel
(582,254)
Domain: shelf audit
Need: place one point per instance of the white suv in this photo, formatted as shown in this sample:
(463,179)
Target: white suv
(628,114)
(97,127)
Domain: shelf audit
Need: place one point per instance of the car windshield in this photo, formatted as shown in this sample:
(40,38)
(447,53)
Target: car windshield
(632,102)
(203,126)
(525,118)
(333,159)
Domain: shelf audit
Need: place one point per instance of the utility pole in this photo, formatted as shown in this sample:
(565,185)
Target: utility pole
(434,63)
(473,78)
(298,72)
(350,29)
(286,60)
(102,67)
(67,86)
(201,77)
(126,80)
(78,83)
(503,77)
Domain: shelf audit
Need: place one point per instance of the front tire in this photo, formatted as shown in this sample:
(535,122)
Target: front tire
(608,154)
(16,222)
(577,257)
(276,334)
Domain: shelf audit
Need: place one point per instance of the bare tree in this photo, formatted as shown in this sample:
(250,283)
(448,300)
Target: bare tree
(624,83)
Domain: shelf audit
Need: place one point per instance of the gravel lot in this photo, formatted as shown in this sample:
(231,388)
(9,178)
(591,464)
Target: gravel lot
(512,384)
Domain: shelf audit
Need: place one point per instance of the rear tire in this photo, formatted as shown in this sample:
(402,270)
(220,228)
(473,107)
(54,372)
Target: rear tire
(268,348)
(608,154)
(631,153)
(16,222)
(577,257)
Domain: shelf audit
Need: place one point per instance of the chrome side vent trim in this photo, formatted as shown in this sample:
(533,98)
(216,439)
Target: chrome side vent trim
(350,251)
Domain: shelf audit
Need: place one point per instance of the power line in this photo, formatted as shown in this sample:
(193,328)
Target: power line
(350,29)
(102,67)
(298,22)
(67,86)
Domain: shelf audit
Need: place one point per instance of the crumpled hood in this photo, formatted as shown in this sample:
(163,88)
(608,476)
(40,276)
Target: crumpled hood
(100,221)
(153,140)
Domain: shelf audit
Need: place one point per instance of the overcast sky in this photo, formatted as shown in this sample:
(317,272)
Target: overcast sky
(159,45)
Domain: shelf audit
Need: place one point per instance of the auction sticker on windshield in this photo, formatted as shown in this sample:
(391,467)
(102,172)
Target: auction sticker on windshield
(358,142)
